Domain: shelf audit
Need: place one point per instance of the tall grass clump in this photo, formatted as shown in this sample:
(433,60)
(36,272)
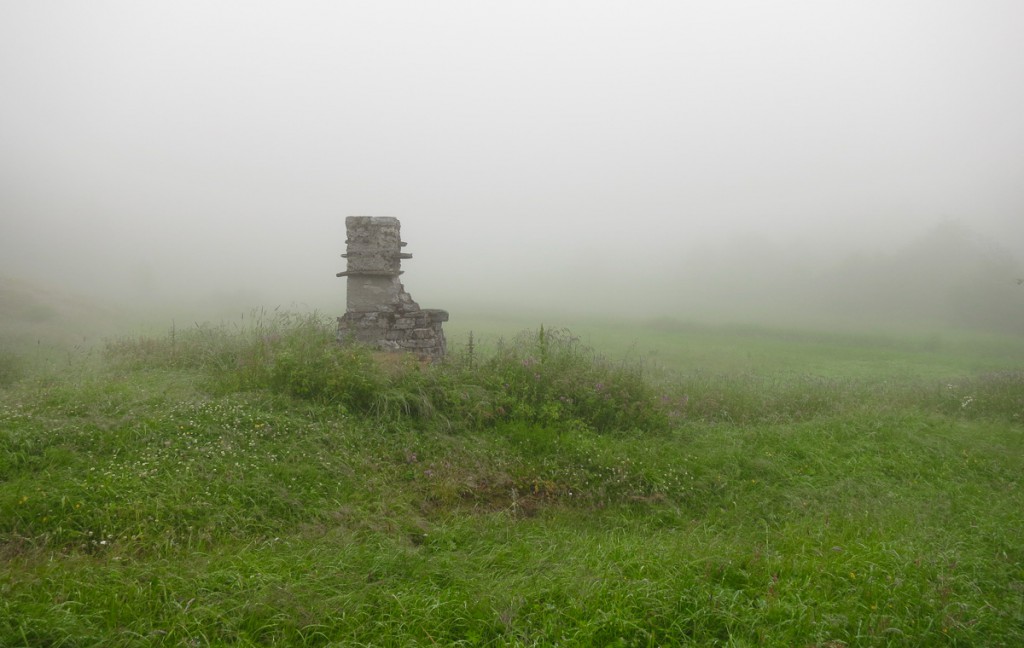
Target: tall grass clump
(991,394)
(548,377)
(295,355)
(201,346)
(544,377)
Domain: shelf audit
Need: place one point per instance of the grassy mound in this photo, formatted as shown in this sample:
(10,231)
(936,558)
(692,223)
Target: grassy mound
(546,377)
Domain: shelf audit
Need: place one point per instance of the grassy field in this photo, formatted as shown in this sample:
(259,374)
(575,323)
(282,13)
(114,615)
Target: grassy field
(683,485)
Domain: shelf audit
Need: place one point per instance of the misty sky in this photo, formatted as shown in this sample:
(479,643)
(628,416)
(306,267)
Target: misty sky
(166,148)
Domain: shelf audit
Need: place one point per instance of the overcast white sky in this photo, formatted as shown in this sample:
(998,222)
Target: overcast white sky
(162,147)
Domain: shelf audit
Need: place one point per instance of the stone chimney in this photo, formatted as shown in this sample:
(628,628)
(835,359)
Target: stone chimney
(378,310)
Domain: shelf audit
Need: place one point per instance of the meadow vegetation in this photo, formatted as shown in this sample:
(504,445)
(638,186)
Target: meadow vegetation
(687,485)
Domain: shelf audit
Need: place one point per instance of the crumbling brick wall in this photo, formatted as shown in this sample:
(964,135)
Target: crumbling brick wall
(378,310)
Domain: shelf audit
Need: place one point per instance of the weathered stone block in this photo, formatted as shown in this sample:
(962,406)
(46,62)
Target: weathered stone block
(436,314)
(419,344)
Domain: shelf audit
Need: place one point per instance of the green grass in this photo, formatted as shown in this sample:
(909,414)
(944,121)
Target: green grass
(696,486)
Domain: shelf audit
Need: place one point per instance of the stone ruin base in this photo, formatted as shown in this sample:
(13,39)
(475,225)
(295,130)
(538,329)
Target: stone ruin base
(380,313)
(414,331)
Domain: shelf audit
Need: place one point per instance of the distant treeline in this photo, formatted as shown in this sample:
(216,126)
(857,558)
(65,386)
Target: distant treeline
(948,277)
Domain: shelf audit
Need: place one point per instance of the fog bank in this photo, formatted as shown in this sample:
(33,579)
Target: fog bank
(733,158)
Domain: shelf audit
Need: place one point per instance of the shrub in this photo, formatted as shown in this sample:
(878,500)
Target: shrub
(323,371)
